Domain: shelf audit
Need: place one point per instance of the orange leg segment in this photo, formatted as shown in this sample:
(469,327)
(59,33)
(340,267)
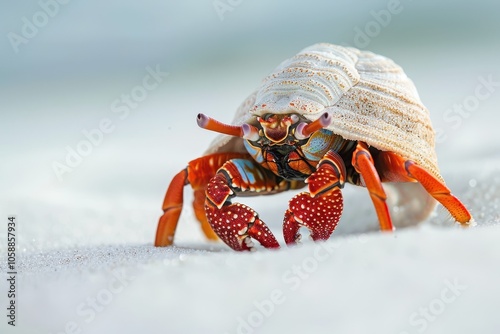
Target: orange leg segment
(439,191)
(396,168)
(363,163)
(172,207)
(199,211)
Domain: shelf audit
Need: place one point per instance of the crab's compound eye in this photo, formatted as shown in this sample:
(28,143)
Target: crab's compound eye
(265,117)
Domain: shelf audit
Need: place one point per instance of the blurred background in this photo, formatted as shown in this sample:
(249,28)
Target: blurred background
(65,68)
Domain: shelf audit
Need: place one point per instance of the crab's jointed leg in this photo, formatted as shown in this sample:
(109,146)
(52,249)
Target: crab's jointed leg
(363,163)
(236,223)
(197,174)
(172,207)
(318,210)
(199,211)
(398,169)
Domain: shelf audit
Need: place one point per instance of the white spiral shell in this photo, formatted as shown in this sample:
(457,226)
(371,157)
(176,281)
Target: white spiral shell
(369,97)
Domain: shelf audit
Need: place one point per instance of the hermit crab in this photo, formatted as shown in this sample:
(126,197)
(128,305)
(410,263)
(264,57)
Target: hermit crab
(330,115)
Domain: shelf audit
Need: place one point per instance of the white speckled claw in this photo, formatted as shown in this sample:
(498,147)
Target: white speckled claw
(236,224)
(320,209)
(319,214)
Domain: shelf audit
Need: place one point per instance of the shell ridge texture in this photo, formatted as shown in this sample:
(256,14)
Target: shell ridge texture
(369,97)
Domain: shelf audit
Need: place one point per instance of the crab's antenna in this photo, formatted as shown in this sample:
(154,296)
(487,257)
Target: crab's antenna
(245,131)
(304,130)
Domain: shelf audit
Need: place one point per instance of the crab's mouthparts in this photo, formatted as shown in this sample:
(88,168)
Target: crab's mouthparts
(277,127)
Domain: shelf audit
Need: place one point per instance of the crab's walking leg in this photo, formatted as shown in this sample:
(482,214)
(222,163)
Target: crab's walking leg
(199,211)
(197,174)
(363,163)
(318,210)
(172,207)
(399,169)
(236,223)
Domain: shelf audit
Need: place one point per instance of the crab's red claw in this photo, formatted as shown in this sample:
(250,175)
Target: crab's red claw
(320,209)
(319,215)
(260,232)
(236,223)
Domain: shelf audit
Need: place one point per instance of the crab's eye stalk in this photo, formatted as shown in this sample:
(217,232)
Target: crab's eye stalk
(245,131)
(209,123)
(250,132)
(267,117)
(305,130)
